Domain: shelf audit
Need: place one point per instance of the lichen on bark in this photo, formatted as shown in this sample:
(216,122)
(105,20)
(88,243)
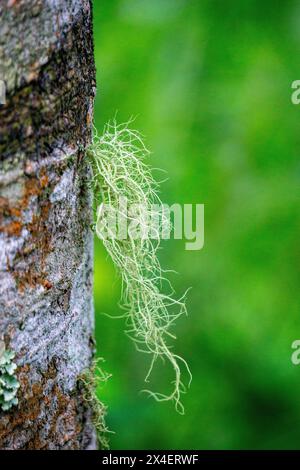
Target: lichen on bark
(46,55)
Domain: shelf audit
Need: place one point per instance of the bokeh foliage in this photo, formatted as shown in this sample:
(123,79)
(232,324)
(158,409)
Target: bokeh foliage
(209,83)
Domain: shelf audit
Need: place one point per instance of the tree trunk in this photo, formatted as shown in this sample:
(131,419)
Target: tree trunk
(46,310)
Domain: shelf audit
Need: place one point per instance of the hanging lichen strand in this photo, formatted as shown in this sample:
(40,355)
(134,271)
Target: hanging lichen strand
(91,380)
(119,171)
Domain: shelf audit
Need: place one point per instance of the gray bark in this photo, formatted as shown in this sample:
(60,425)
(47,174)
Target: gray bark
(46,310)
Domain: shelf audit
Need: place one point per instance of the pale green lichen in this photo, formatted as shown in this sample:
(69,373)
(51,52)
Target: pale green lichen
(92,380)
(119,170)
(8,382)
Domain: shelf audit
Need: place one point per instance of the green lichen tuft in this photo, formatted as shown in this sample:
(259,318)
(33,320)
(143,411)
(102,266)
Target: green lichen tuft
(119,170)
(8,383)
(91,380)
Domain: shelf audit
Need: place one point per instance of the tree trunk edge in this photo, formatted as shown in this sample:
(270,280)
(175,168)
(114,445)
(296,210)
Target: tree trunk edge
(46,245)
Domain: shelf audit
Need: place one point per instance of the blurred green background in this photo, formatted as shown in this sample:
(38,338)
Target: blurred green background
(210,84)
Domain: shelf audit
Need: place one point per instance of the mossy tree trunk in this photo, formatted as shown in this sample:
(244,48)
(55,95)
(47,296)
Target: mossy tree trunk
(46,310)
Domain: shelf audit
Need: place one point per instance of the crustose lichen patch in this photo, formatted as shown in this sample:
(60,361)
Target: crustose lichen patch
(8,382)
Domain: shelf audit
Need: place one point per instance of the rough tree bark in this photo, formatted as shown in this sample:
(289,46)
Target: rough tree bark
(46,311)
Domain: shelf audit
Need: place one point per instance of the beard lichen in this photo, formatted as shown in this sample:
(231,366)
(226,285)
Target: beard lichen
(119,171)
(9,384)
(91,380)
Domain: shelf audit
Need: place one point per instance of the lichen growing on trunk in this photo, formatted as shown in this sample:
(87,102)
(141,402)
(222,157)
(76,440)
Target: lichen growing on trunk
(120,171)
(8,382)
(91,380)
